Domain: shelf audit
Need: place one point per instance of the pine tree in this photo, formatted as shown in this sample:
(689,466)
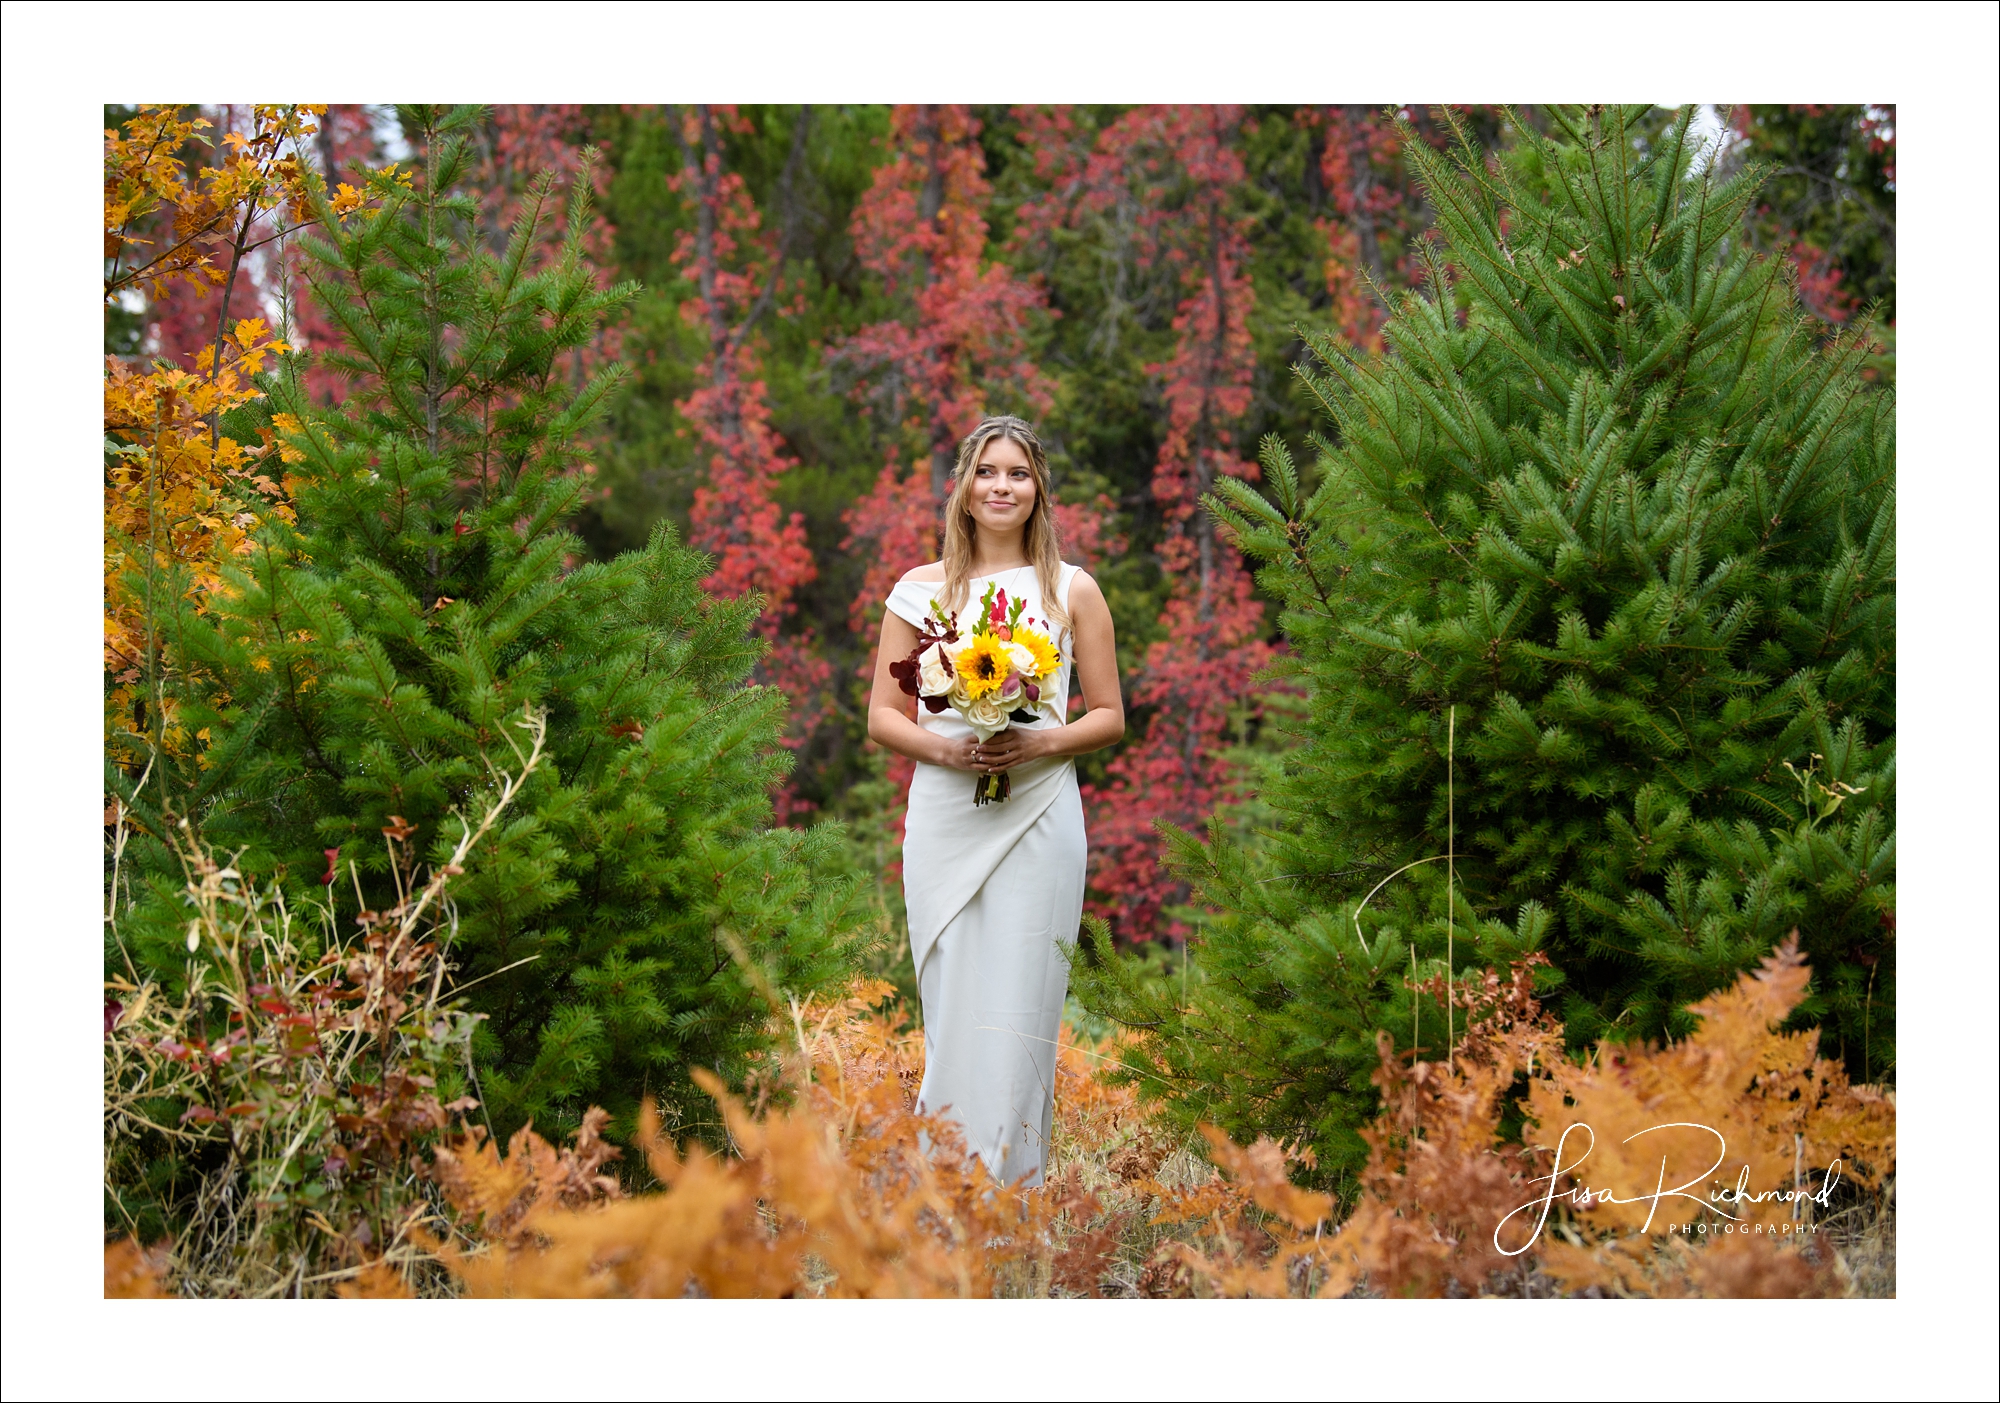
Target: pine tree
(636,917)
(1592,587)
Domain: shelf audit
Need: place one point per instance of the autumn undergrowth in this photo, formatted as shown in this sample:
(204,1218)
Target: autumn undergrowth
(833,1185)
(269,1116)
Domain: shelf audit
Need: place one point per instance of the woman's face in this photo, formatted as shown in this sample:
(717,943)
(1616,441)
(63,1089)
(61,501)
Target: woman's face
(1002,494)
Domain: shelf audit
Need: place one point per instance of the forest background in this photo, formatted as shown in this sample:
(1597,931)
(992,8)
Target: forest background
(129,330)
(832,295)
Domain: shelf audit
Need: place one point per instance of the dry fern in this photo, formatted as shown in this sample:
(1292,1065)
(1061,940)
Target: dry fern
(835,1186)
(1694,1169)
(834,1194)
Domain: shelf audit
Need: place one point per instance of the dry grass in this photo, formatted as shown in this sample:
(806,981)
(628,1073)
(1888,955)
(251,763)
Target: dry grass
(291,1081)
(1863,1237)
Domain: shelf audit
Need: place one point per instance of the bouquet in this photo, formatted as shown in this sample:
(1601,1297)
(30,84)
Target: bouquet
(992,675)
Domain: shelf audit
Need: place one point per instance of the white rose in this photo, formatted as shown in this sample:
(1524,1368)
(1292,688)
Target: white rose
(1024,661)
(934,674)
(985,716)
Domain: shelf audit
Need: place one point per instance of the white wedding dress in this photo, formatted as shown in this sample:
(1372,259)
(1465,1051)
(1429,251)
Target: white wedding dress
(994,896)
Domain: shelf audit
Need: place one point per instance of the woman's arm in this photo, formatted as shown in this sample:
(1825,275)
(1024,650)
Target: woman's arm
(889,722)
(1094,645)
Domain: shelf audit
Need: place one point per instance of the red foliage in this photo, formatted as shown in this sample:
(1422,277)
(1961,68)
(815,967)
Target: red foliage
(956,351)
(1171,175)
(728,257)
(733,263)
(1086,531)
(896,527)
(1819,283)
(1361,166)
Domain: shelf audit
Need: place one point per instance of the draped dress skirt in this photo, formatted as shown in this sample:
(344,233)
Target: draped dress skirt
(994,895)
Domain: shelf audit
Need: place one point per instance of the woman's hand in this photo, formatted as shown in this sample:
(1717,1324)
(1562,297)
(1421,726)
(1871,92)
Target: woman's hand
(956,753)
(1005,751)
(1013,747)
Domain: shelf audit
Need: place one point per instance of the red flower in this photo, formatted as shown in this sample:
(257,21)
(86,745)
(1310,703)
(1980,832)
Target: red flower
(332,857)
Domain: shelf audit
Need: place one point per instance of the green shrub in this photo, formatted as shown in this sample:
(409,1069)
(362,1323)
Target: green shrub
(1591,585)
(622,925)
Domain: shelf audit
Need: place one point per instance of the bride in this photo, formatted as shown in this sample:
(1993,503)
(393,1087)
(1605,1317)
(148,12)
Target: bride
(995,893)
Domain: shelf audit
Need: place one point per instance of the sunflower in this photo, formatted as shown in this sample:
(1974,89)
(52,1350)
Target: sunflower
(1047,659)
(982,664)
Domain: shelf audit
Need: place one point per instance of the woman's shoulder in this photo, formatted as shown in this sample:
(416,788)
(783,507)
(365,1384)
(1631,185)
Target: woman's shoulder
(1080,594)
(915,595)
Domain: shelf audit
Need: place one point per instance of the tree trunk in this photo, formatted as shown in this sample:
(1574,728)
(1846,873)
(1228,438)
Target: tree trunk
(930,203)
(1361,185)
(328,161)
(1204,456)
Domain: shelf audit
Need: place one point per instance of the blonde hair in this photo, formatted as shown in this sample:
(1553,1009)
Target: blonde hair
(1040,539)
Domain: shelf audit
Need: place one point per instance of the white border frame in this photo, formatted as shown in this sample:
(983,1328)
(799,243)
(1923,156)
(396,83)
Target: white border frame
(61,62)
